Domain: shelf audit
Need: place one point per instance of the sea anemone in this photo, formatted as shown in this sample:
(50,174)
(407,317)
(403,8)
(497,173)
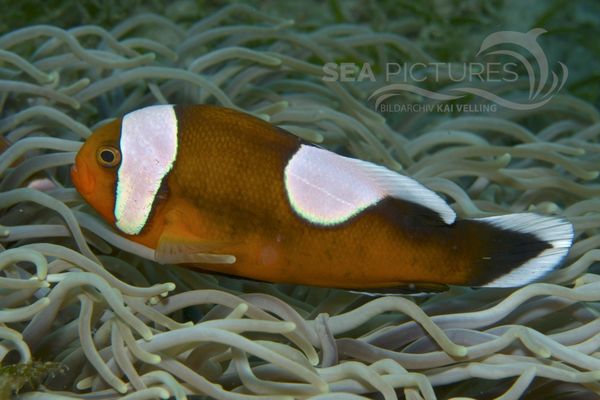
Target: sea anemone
(85,314)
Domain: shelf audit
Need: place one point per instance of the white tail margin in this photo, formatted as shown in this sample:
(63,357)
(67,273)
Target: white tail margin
(557,232)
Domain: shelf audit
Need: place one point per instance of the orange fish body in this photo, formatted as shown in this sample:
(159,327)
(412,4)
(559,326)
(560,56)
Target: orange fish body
(234,184)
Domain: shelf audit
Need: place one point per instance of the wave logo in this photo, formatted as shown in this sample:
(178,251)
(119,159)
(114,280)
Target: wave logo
(543,83)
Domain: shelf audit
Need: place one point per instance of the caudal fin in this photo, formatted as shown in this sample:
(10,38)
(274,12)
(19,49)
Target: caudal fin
(550,236)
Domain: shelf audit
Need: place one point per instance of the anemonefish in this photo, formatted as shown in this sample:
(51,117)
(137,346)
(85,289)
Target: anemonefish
(197,181)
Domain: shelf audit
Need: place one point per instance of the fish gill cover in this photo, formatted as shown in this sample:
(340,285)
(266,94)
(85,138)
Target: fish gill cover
(84,315)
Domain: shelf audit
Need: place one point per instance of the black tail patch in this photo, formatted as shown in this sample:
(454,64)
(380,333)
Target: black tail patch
(522,249)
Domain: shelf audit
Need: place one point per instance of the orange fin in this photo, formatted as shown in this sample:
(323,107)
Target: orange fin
(177,245)
(172,250)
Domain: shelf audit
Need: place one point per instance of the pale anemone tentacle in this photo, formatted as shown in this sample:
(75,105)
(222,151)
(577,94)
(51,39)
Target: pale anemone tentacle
(46,112)
(35,90)
(26,66)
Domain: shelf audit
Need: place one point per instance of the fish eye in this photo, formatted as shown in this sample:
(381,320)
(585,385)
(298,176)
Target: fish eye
(108,156)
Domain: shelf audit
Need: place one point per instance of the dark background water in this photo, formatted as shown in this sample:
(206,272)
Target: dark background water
(448,30)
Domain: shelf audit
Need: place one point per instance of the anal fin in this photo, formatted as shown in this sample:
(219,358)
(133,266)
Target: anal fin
(410,289)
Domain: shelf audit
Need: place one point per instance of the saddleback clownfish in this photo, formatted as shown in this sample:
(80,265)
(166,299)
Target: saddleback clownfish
(196,181)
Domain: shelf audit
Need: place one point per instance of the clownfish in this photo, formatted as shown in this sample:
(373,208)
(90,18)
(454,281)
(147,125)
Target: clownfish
(194,182)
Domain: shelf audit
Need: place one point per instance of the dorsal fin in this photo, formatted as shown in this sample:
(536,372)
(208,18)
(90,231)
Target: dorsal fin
(327,189)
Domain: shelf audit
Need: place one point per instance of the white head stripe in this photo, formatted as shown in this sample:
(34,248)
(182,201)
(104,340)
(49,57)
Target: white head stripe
(326,188)
(148,150)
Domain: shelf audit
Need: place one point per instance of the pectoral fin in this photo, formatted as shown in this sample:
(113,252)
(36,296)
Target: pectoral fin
(179,245)
(175,250)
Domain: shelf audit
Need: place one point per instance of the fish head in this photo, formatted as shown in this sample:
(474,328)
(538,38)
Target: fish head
(94,173)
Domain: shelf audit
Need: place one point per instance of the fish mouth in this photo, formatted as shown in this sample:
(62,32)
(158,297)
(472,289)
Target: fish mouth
(83,181)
